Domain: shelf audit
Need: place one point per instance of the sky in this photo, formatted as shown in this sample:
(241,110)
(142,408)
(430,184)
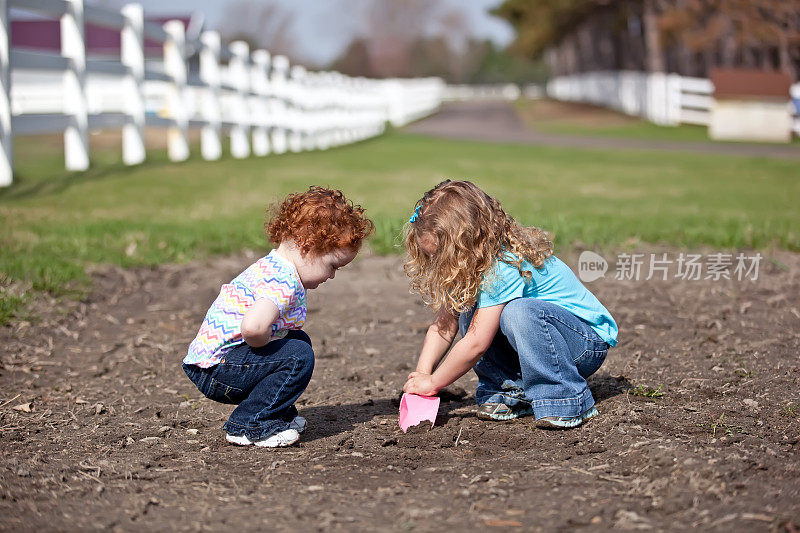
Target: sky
(322,46)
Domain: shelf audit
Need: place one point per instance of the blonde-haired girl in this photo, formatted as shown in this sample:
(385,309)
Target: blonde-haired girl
(531,330)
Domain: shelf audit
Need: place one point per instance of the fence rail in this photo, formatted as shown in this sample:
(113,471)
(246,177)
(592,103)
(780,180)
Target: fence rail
(666,99)
(264,104)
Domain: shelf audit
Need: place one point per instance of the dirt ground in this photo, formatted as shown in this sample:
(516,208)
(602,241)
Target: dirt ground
(100,428)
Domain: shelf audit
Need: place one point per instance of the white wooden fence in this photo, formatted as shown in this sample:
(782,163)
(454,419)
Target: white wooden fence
(666,99)
(263,104)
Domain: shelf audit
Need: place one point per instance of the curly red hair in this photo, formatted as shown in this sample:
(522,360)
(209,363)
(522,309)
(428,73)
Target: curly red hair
(318,221)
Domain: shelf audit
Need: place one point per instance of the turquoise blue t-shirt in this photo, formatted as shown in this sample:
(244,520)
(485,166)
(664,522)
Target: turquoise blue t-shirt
(554,283)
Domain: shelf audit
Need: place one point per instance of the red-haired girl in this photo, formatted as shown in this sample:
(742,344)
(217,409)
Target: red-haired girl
(250,349)
(531,330)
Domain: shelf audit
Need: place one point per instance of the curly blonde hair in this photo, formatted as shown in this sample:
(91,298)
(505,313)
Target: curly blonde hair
(319,221)
(470,230)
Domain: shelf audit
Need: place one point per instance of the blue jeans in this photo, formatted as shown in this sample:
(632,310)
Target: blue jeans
(541,357)
(264,382)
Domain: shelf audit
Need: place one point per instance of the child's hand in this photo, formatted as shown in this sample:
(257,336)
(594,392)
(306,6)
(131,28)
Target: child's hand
(420,383)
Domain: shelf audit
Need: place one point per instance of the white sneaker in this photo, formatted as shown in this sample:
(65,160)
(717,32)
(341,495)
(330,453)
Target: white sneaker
(239,440)
(287,437)
(298,424)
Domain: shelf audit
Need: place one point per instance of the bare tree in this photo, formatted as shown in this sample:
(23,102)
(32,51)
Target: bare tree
(397,33)
(686,36)
(263,24)
(392,27)
(652,35)
(454,26)
(759,33)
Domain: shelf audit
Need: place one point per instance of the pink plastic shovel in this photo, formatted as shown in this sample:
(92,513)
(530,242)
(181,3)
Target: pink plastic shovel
(415,408)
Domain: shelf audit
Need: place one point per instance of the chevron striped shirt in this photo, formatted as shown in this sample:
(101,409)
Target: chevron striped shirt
(270,277)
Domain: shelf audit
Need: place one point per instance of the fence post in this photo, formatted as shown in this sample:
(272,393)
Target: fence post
(673,99)
(279,106)
(657,98)
(73,46)
(132,56)
(210,137)
(350,114)
(239,70)
(259,107)
(312,110)
(333,103)
(175,67)
(299,113)
(6,136)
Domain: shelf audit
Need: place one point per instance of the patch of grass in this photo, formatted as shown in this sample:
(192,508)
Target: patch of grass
(729,429)
(388,236)
(647,392)
(791,410)
(54,223)
(9,306)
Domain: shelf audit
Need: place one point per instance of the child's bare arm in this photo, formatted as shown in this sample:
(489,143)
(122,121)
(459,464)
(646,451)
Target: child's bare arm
(463,356)
(257,322)
(438,339)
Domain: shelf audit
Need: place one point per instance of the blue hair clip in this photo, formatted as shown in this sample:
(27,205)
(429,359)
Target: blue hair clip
(415,215)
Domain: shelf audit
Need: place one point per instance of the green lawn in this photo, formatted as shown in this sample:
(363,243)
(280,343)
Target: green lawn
(567,118)
(54,223)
